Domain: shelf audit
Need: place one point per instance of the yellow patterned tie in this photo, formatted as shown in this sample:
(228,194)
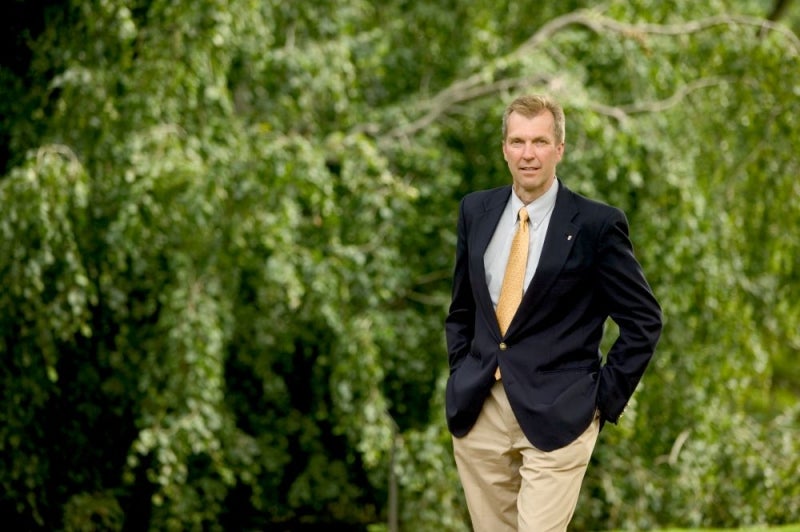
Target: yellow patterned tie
(514,278)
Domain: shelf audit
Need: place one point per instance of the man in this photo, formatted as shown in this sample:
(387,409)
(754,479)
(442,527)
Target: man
(528,392)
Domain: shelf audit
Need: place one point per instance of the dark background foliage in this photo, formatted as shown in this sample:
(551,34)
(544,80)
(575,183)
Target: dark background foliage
(227,229)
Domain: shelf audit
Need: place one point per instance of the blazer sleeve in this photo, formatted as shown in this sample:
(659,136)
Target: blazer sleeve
(633,307)
(460,321)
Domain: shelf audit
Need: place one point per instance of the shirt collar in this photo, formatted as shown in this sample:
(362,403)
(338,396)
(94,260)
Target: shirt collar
(538,208)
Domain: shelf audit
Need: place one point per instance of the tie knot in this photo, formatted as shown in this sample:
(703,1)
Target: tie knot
(523,215)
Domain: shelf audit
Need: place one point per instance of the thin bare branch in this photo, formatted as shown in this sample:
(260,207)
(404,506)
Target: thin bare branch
(599,23)
(469,89)
(622,112)
(701,25)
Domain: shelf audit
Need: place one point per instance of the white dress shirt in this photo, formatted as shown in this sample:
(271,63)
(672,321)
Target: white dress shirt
(496,256)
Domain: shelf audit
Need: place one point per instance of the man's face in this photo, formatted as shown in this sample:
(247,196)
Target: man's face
(532,154)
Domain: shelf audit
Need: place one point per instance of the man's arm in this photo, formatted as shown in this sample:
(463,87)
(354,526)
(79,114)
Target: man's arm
(460,321)
(633,307)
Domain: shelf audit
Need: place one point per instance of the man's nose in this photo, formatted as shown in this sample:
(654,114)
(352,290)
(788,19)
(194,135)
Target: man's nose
(528,152)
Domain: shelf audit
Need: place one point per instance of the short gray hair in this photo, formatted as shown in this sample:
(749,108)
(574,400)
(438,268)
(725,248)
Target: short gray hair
(532,105)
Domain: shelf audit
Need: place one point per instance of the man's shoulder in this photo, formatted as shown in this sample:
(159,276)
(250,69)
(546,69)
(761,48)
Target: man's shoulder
(591,206)
(486,197)
(487,193)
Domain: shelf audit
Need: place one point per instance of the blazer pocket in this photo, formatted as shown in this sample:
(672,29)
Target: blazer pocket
(571,281)
(583,368)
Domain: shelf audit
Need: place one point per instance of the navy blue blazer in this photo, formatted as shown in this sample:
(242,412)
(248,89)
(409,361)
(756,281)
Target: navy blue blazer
(553,371)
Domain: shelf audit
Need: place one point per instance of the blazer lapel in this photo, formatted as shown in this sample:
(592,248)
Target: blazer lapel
(485,223)
(561,235)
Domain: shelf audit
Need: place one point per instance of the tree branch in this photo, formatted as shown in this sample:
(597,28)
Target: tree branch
(465,90)
(600,23)
(622,112)
(483,83)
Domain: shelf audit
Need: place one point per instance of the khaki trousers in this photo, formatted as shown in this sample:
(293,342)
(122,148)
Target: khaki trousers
(509,484)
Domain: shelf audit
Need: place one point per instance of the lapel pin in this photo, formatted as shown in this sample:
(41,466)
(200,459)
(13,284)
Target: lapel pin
(569,237)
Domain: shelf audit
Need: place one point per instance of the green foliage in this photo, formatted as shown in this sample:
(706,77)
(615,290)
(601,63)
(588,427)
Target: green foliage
(226,239)
(89,512)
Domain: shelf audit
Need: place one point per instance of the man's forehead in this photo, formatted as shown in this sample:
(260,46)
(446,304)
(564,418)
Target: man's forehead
(518,122)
